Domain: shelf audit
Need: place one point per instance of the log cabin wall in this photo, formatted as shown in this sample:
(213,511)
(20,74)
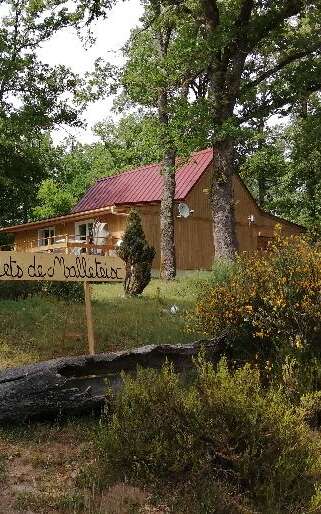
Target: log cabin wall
(194,235)
(249,234)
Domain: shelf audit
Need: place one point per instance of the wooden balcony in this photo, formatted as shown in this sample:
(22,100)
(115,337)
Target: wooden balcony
(68,245)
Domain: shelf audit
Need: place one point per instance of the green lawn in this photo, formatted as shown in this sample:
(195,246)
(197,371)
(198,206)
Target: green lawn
(39,328)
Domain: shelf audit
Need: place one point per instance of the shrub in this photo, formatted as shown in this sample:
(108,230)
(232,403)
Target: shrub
(273,300)
(311,408)
(69,291)
(219,444)
(15,290)
(137,254)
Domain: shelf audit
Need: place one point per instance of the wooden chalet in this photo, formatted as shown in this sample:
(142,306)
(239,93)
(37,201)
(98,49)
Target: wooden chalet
(98,221)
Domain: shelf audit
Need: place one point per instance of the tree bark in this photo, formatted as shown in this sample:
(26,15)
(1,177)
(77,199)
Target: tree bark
(222,202)
(77,385)
(167,227)
(167,230)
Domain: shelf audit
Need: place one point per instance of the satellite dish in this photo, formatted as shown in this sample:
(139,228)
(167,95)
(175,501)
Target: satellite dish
(184,210)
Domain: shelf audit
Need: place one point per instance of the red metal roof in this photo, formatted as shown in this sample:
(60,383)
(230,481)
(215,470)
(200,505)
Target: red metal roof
(143,184)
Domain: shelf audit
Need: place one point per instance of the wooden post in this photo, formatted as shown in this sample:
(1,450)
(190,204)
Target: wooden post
(89,318)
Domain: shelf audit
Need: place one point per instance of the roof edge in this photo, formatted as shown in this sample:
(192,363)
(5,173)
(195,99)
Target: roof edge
(57,219)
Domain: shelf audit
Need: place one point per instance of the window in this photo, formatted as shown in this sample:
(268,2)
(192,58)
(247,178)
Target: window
(46,236)
(84,230)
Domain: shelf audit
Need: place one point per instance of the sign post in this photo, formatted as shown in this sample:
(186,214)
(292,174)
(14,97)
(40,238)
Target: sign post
(89,318)
(20,266)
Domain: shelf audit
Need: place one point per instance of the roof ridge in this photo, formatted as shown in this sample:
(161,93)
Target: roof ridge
(128,171)
(150,165)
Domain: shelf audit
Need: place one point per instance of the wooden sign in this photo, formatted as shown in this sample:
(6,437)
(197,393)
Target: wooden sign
(59,267)
(84,268)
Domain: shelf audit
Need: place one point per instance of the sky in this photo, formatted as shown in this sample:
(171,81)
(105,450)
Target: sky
(66,48)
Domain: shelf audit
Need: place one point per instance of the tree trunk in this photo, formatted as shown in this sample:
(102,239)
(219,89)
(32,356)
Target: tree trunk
(167,229)
(222,202)
(168,254)
(76,385)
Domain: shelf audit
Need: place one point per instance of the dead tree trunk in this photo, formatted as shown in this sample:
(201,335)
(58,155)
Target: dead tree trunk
(76,385)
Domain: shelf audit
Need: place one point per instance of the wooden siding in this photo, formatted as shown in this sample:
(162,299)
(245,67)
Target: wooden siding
(193,235)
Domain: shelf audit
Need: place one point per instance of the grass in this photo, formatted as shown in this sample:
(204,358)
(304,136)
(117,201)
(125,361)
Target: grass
(37,328)
(48,467)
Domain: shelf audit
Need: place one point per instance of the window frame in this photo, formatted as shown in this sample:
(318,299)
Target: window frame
(78,224)
(46,241)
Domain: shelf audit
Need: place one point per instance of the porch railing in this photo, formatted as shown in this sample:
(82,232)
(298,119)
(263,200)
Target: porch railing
(67,244)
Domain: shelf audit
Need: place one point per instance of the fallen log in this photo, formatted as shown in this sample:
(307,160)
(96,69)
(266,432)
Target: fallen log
(76,385)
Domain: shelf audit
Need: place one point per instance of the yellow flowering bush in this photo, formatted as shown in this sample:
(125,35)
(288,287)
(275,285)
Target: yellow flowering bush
(271,297)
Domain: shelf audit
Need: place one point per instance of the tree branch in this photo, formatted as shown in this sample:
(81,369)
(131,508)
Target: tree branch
(277,103)
(211,12)
(263,25)
(300,54)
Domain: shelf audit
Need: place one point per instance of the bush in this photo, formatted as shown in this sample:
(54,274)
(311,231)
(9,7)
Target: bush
(15,290)
(219,444)
(69,291)
(311,408)
(272,301)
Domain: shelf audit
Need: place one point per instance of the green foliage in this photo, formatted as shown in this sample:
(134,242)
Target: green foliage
(264,169)
(311,409)
(154,67)
(69,291)
(220,444)
(25,160)
(138,256)
(54,201)
(131,142)
(270,302)
(282,167)
(303,183)
(15,290)
(34,97)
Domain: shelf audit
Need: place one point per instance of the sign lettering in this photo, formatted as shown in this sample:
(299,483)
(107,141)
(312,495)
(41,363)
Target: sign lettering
(60,267)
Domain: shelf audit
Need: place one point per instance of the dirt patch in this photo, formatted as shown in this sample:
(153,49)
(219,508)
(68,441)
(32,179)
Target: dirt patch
(44,471)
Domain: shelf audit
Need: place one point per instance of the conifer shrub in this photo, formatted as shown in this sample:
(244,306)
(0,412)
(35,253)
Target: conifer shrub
(137,255)
(270,302)
(220,443)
